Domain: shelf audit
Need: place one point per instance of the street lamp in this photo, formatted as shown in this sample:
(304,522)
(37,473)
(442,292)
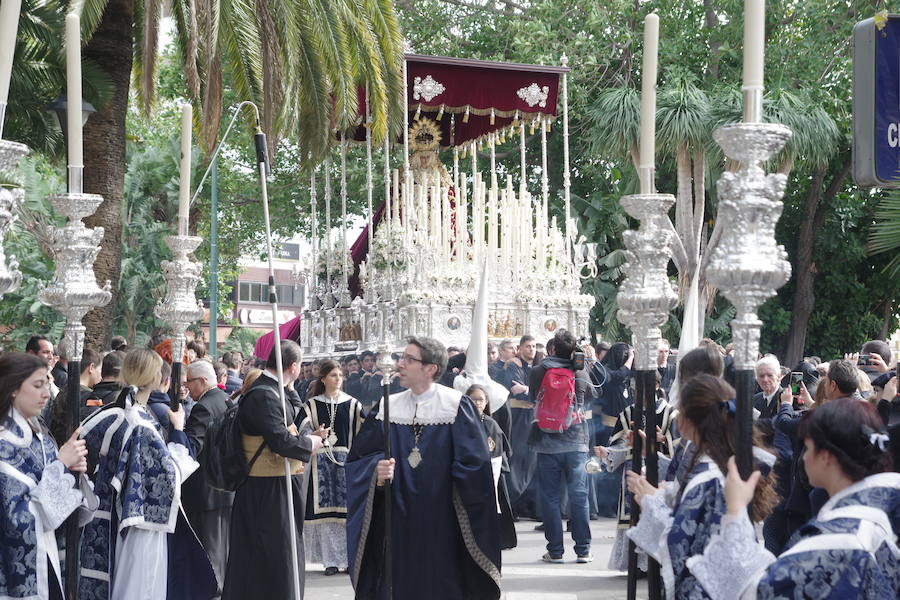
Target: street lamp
(60,107)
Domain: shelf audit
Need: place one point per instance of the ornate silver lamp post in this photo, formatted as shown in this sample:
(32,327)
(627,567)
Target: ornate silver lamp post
(11,154)
(180,307)
(747,265)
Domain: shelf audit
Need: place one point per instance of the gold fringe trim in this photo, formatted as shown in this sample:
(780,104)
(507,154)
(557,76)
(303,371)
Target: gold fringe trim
(469,538)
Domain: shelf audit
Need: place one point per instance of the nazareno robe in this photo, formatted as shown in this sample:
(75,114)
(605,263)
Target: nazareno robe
(444,530)
(849,550)
(37,494)
(259,560)
(138,481)
(498,445)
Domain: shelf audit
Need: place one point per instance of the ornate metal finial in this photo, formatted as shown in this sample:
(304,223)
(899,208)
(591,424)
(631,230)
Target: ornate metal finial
(646,295)
(74,247)
(385,363)
(11,155)
(747,264)
(181,307)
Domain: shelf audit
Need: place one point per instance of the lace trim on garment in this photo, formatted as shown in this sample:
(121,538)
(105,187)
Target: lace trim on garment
(475,552)
(364,531)
(886,480)
(733,561)
(55,495)
(437,406)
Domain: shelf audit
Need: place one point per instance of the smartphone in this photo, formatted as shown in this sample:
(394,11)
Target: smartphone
(796,380)
(863,360)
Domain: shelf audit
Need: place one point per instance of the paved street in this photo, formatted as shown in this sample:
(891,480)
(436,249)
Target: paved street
(525,577)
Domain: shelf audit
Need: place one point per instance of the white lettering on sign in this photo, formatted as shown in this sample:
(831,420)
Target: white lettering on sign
(892,135)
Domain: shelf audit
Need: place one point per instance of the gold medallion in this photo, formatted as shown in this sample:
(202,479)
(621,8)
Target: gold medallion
(415,457)
(492,445)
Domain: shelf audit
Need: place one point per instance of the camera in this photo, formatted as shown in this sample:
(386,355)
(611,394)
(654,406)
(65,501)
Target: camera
(578,360)
(796,380)
(864,360)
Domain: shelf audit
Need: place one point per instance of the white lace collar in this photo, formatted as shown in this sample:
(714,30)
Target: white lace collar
(438,405)
(14,437)
(339,399)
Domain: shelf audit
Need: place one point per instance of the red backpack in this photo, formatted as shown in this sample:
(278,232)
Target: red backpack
(555,409)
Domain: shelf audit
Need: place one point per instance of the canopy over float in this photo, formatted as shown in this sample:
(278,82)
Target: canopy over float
(415,267)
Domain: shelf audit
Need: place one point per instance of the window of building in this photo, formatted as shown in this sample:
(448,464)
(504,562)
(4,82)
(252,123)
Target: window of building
(252,291)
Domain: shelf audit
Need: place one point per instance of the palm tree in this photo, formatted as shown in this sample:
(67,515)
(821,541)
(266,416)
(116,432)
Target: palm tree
(301,62)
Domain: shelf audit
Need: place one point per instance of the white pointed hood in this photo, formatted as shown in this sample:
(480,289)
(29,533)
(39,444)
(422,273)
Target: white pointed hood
(476,369)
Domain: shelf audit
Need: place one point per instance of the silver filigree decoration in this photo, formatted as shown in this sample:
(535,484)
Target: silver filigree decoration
(11,154)
(427,89)
(181,307)
(747,264)
(534,94)
(646,295)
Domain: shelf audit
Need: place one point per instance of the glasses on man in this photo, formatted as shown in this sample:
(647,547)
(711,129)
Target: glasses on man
(407,358)
(192,379)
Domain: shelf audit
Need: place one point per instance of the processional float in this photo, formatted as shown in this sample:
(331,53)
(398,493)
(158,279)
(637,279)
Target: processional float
(415,267)
(745,262)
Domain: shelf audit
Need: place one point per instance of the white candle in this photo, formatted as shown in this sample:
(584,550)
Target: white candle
(9,26)
(754,58)
(648,102)
(754,41)
(184,189)
(73,87)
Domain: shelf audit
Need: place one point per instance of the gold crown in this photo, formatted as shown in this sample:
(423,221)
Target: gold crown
(424,134)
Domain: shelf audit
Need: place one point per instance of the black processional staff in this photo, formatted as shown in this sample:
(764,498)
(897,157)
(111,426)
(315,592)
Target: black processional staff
(386,366)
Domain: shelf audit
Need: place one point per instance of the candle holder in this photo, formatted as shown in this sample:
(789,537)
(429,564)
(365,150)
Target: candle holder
(180,307)
(74,247)
(11,154)
(747,265)
(646,295)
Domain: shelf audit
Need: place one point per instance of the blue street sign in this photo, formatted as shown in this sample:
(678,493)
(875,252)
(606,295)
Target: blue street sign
(876,103)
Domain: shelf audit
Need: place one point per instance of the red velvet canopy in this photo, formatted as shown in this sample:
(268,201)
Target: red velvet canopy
(479,88)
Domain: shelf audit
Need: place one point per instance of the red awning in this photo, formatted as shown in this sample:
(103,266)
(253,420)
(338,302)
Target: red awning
(492,93)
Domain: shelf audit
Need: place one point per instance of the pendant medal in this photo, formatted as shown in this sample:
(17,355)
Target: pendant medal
(415,457)
(332,439)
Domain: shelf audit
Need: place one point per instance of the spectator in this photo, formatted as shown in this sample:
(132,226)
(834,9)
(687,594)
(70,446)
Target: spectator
(879,358)
(233,361)
(493,353)
(60,369)
(110,383)
(118,343)
(842,380)
(666,371)
(249,378)
(602,349)
(768,376)
(41,347)
(208,509)
(195,350)
(221,374)
(452,351)
(561,457)
(90,376)
(159,402)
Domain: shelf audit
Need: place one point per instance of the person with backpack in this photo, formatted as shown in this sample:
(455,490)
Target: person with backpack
(259,559)
(208,509)
(559,388)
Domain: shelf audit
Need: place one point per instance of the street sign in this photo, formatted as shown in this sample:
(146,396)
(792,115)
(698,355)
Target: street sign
(876,102)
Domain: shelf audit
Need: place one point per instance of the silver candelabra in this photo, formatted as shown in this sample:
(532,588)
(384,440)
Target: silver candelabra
(646,295)
(181,307)
(74,290)
(747,265)
(11,154)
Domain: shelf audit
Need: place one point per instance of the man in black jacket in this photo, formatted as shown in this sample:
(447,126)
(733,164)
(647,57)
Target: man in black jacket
(208,509)
(768,377)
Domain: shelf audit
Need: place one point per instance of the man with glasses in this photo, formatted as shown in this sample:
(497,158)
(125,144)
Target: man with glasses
(444,531)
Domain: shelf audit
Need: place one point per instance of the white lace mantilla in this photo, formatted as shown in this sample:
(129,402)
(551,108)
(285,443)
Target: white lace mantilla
(437,406)
(733,561)
(427,89)
(534,94)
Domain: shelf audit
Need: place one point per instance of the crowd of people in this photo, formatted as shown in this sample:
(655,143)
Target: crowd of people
(464,465)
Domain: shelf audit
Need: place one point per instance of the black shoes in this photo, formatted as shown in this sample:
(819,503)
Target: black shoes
(331,571)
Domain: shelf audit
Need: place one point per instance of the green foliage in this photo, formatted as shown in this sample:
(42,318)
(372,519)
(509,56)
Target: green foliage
(241,339)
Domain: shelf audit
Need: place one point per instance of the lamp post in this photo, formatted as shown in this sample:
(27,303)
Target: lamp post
(60,107)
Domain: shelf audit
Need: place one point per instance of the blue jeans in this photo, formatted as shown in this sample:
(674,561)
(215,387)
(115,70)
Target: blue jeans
(552,469)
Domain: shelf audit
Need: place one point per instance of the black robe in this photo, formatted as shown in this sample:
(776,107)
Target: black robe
(259,561)
(498,445)
(445,543)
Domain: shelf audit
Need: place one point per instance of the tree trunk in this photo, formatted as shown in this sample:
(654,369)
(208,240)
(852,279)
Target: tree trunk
(804,268)
(104,156)
(715,45)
